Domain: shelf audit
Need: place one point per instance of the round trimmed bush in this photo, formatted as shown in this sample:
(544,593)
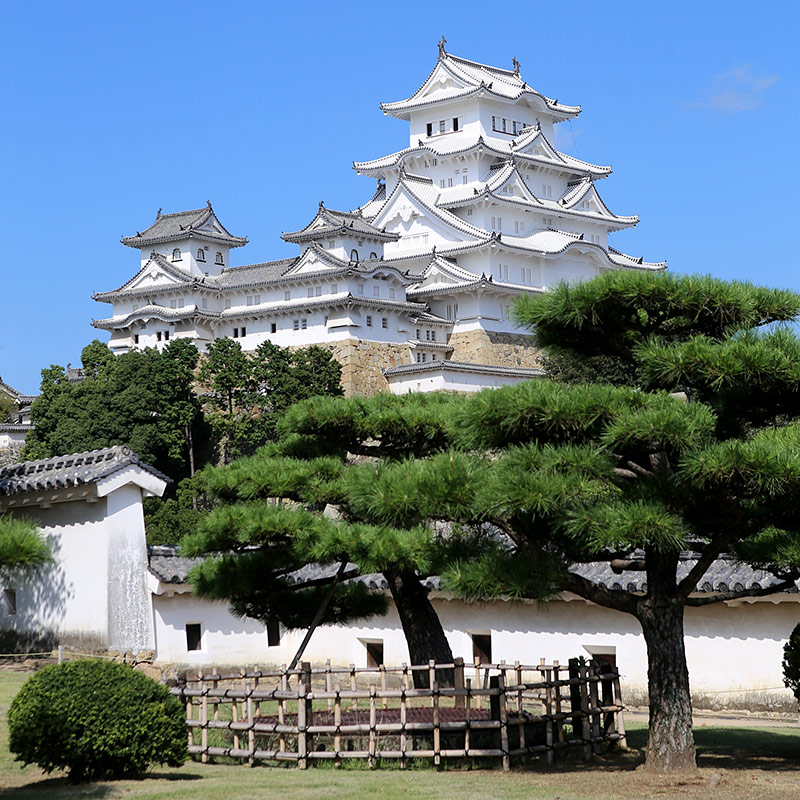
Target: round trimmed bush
(96,719)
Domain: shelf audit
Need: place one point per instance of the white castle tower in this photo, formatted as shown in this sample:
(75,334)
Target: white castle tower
(412,290)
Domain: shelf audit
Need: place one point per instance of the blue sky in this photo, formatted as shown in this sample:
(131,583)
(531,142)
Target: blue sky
(112,110)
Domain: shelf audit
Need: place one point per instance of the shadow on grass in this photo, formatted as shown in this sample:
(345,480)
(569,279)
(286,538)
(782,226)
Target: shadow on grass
(49,788)
(746,748)
(717,748)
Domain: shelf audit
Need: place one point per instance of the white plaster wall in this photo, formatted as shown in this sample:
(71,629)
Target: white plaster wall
(225,639)
(71,598)
(728,648)
(449,380)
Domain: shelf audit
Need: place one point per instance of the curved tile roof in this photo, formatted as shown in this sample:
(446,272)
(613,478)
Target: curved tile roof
(76,469)
(199,223)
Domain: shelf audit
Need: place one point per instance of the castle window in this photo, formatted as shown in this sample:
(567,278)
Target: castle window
(287,295)
(429,128)
(427,336)
(273,328)
(373,254)
(433,336)
(296,324)
(547,191)
(384,322)
(201,254)
(204,302)
(441,126)
(303,323)
(374,653)
(334,288)
(331,243)
(433,356)
(417,333)
(136,338)
(455,123)
(310,291)
(391,294)
(361,288)
(227,303)
(469,210)
(10,601)
(482,647)
(194,636)
(218,259)
(441,183)
(235,333)
(166,336)
(376,290)
(158,336)
(369,321)
(176,254)
(318,291)
(354,255)
(273,633)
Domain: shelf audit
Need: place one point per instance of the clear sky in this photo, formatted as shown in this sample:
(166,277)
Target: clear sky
(112,110)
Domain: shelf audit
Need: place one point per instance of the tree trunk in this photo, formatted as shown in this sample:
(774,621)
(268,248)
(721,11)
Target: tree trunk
(421,626)
(670,746)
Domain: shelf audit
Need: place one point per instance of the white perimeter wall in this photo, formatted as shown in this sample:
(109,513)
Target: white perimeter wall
(729,648)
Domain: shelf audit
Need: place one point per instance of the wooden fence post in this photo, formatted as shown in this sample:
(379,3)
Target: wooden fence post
(203,717)
(372,747)
(586,734)
(501,697)
(305,669)
(547,674)
(458,680)
(437,731)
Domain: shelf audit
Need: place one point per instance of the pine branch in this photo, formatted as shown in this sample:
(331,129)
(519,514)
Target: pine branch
(610,598)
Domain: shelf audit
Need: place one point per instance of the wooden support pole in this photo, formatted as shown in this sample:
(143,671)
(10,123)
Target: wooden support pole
(337,721)
(458,680)
(548,711)
(586,733)
(437,731)
(373,735)
(203,718)
(501,685)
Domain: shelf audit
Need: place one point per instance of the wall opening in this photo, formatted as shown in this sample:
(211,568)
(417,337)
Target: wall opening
(374,652)
(482,647)
(10,601)
(273,633)
(194,636)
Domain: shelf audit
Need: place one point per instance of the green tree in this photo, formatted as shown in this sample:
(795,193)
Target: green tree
(309,466)
(22,547)
(538,480)
(143,398)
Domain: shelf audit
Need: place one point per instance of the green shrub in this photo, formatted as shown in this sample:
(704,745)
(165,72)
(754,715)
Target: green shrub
(96,719)
(791,663)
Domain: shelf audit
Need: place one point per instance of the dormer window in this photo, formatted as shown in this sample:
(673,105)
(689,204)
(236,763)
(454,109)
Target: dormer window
(201,254)
(219,260)
(354,255)
(176,254)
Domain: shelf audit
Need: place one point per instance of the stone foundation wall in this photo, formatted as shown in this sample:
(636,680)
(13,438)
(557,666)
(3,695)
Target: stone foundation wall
(10,455)
(362,363)
(497,349)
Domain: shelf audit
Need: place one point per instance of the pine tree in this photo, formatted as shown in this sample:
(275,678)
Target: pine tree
(689,445)
(331,453)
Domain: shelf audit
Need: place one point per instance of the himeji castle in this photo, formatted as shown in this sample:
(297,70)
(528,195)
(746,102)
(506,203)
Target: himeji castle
(412,290)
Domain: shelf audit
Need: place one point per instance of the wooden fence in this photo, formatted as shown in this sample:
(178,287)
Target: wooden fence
(490,711)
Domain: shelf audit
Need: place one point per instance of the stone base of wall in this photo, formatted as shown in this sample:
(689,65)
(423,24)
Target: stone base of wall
(496,349)
(10,455)
(363,362)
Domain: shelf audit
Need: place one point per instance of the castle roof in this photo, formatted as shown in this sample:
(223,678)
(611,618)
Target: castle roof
(455,78)
(199,223)
(77,469)
(465,142)
(328,222)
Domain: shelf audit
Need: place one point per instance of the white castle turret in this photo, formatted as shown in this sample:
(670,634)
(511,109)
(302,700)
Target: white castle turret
(413,289)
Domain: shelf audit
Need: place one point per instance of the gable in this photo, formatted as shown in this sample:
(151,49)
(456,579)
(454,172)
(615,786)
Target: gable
(154,274)
(408,216)
(314,260)
(441,80)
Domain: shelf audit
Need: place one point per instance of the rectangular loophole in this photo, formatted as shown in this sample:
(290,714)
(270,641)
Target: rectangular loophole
(374,653)
(273,633)
(482,647)
(194,636)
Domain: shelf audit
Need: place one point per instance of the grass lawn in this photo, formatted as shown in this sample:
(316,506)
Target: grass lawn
(735,764)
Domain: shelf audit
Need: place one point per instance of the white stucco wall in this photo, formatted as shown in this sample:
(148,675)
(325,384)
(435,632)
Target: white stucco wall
(729,648)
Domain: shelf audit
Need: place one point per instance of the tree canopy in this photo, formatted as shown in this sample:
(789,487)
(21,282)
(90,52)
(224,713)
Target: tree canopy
(687,448)
(143,399)
(22,547)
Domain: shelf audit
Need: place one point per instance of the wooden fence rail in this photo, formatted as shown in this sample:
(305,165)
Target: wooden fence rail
(337,713)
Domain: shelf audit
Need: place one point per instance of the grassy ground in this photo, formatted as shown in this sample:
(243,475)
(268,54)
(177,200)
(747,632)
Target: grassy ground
(734,764)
